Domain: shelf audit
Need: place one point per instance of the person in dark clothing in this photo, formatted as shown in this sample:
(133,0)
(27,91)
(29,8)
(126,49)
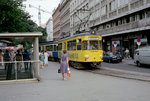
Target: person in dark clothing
(8,66)
(19,58)
(26,58)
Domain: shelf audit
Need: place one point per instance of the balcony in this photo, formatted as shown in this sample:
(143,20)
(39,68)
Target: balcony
(137,3)
(125,27)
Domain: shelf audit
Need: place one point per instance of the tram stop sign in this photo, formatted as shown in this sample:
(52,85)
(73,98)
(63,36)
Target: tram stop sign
(115,44)
(138,41)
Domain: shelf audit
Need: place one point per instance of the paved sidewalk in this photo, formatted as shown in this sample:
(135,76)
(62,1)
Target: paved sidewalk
(82,86)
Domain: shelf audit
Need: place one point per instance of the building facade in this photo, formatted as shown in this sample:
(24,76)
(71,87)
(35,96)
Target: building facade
(79,16)
(65,17)
(49,30)
(56,23)
(121,22)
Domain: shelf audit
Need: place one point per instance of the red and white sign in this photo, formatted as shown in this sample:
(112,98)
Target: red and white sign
(115,43)
(138,41)
(19,47)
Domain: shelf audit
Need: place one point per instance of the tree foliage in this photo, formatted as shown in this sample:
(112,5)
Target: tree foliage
(13,18)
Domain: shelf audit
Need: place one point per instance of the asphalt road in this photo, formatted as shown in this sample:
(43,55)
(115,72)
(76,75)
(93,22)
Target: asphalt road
(125,66)
(82,86)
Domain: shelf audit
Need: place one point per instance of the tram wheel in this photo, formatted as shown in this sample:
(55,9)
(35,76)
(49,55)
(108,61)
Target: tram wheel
(93,65)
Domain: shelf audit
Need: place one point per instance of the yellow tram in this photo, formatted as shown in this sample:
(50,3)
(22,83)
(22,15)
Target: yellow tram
(82,48)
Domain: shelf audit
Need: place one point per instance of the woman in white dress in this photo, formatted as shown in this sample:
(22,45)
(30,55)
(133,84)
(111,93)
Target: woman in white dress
(46,58)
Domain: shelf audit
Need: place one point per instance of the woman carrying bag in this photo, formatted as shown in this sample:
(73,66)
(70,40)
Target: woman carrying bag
(64,65)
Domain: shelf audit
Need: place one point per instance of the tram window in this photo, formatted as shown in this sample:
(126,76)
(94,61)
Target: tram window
(60,46)
(69,45)
(84,45)
(78,44)
(51,48)
(93,45)
(74,45)
(55,48)
(65,45)
(100,45)
(78,47)
(48,48)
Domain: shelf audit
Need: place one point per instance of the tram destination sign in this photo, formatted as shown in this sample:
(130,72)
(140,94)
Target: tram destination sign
(93,38)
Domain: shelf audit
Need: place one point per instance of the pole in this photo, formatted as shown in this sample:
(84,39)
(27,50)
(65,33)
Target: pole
(39,16)
(36,57)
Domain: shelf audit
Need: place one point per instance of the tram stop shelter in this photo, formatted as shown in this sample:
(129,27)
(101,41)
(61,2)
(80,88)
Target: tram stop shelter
(9,70)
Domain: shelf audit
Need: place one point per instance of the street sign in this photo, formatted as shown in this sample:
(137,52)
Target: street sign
(138,41)
(115,44)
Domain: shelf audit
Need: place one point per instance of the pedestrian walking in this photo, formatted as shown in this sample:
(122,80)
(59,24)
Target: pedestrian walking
(8,66)
(42,57)
(64,65)
(26,58)
(1,57)
(127,53)
(46,58)
(19,58)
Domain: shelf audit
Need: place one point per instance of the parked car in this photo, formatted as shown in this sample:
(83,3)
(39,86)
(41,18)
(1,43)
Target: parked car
(110,57)
(142,56)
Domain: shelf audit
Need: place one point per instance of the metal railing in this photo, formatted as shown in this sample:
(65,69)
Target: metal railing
(15,70)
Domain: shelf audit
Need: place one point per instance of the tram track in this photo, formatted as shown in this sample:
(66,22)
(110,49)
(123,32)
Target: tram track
(120,73)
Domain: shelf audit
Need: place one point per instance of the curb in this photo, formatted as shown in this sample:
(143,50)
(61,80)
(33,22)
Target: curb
(19,81)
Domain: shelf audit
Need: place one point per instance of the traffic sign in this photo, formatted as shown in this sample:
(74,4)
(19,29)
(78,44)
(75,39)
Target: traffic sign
(138,41)
(115,43)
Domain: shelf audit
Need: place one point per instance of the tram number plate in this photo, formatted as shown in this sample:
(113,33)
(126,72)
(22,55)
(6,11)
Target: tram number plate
(93,38)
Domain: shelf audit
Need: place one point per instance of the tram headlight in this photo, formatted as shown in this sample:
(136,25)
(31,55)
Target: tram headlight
(86,57)
(101,56)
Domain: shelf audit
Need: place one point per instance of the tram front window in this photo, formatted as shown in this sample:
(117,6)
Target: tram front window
(93,45)
(84,45)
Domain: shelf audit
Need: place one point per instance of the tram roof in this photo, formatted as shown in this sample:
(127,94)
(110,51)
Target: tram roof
(82,34)
(49,42)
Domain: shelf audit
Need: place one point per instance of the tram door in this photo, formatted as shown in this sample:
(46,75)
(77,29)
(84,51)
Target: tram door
(65,48)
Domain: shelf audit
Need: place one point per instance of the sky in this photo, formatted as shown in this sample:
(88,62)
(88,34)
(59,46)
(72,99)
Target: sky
(47,5)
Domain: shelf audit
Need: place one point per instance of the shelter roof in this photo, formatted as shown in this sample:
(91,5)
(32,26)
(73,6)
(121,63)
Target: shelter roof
(28,36)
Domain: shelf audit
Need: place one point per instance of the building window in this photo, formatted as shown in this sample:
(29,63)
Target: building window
(142,15)
(103,12)
(119,21)
(112,5)
(127,20)
(148,14)
(104,26)
(116,22)
(133,18)
(122,3)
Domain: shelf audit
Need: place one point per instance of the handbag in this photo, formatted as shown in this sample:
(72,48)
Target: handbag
(58,70)
(41,63)
(69,73)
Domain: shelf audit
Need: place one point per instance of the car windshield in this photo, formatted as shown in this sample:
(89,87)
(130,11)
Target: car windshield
(110,54)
